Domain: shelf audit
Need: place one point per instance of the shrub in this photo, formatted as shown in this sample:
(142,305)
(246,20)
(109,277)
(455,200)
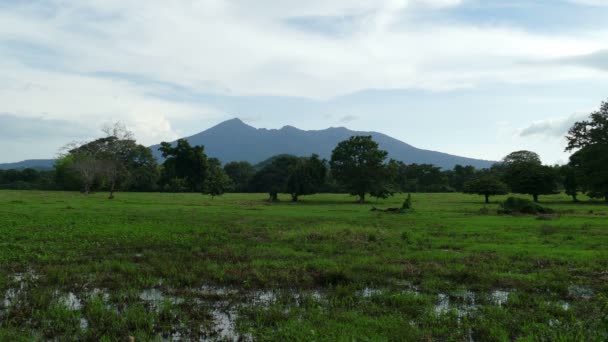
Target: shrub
(514,205)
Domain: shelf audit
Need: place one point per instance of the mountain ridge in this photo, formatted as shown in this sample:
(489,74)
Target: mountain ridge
(234,140)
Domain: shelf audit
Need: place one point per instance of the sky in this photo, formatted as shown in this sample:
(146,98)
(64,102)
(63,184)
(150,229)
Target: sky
(477,78)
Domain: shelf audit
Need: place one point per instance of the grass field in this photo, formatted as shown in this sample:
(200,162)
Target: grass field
(184,266)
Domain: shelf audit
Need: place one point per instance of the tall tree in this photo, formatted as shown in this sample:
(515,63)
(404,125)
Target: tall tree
(241,174)
(217,181)
(184,162)
(525,174)
(358,164)
(589,138)
(486,185)
(569,181)
(591,166)
(589,132)
(273,177)
(306,177)
(115,161)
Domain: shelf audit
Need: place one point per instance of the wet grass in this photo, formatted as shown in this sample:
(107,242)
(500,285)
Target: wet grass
(183,266)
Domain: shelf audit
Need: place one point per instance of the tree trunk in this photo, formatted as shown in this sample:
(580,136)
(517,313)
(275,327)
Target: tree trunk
(487,198)
(294,197)
(606,197)
(535,198)
(274,196)
(111,191)
(362,198)
(574,198)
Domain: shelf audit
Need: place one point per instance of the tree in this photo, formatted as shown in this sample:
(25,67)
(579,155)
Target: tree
(521,157)
(241,174)
(184,162)
(589,138)
(306,177)
(358,164)
(458,176)
(217,181)
(589,132)
(569,181)
(591,166)
(273,177)
(115,161)
(485,185)
(525,174)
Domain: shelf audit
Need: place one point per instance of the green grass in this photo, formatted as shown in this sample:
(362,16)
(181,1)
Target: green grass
(323,269)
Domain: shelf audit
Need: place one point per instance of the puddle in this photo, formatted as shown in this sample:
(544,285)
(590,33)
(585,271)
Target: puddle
(443,304)
(10,297)
(84,324)
(155,297)
(370,292)
(582,292)
(208,290)
(70,301)
(225,324)
(261,298)
(500,297)
(464,303)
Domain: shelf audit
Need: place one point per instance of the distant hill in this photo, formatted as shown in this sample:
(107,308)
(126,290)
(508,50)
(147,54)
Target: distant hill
(38,164)
(233,140)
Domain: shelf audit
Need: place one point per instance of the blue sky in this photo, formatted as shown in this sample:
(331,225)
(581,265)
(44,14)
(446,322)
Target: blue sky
(469,77)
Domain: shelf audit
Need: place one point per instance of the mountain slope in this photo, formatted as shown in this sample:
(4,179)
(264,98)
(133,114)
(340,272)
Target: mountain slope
(38,164)
(234,140)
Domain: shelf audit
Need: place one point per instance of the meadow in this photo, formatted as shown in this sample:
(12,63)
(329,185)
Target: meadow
(185,266)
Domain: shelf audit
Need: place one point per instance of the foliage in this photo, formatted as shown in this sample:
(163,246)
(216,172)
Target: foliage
(186,162)
(589,132)
(569,181)
(306,177)
(522,157)
(241,174)
(486,185)
(217,181)
(525,174)
(273,177)
(591,166)
(590,161)
(514,205)
(358,164)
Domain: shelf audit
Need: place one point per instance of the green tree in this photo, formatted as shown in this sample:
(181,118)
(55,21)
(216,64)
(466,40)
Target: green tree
(525,174)
(273,177)
(186,162)
(306,177)
(591,166)
(589,140)
(241,174)
(116,162)
(459,175)
(569,181)
(485,185)
(589,132)
(358,165)
(217,181)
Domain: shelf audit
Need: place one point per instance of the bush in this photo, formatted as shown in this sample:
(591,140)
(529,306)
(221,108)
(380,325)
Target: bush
(514,205)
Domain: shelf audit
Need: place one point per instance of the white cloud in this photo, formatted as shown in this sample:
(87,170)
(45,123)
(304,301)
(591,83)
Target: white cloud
(52,53)
(552,127)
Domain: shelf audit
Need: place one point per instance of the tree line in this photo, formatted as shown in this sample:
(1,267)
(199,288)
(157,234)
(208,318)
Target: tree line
(357,166)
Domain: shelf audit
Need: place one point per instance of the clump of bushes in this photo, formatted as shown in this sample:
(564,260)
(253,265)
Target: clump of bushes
(514,205)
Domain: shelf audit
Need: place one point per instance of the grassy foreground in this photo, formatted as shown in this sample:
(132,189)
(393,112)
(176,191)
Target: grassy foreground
(183,266)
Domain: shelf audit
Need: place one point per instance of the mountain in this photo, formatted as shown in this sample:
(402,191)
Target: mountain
(38,164)
(233,140)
